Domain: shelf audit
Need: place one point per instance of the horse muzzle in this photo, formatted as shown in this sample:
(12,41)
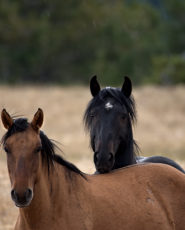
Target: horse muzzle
(22,200)
(103,164)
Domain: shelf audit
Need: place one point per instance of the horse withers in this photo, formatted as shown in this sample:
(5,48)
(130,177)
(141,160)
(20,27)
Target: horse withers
(109,118)
(51,193)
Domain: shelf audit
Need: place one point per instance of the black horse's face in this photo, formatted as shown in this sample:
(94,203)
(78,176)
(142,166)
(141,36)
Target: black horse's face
(109,127)
(108,120)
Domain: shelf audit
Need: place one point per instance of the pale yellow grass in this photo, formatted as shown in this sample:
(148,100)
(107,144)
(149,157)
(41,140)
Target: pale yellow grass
(160,128)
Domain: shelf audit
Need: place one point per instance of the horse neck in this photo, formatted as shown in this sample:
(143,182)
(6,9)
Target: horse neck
(51,199)
(125,154)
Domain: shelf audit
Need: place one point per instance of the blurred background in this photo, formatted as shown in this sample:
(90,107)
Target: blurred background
(50,49)
(68,41)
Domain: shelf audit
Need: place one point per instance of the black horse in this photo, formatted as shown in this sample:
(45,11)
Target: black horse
(109,118)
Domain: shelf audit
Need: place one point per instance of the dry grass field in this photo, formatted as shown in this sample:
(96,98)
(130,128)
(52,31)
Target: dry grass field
(160,128)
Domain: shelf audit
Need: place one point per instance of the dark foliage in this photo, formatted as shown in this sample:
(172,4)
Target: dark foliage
(69,41)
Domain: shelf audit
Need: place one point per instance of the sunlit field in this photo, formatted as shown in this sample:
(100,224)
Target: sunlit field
(160,128)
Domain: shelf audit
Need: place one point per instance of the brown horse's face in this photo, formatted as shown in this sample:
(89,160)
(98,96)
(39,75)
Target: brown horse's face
(24,161)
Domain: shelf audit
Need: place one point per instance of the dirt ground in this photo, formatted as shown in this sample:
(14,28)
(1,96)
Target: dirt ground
(160,128)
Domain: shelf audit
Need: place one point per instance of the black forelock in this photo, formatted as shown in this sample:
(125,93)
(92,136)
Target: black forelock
(118,96)
(19,125)
(48,146)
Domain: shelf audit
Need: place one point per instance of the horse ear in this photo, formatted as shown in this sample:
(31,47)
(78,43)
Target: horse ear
(6,119)
(127,87)
(37,119)
(94,86)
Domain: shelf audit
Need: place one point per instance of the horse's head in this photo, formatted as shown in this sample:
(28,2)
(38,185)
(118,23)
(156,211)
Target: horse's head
(108,118)
(23,146)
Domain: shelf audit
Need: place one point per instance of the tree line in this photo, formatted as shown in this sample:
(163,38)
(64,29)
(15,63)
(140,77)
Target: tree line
(66,42)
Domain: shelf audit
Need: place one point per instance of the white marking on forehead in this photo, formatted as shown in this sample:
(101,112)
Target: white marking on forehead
(108,105)
(108,87)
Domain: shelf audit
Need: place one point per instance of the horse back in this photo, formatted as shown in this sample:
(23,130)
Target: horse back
(148,196)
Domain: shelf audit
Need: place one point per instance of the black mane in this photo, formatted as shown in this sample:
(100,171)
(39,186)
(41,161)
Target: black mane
(114,93)
(48,146)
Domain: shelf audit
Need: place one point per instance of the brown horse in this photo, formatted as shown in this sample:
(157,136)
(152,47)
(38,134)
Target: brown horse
(51,193)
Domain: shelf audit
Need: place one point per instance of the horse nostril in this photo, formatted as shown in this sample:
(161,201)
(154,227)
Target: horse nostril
(13,194)
(28,193)
(110,157)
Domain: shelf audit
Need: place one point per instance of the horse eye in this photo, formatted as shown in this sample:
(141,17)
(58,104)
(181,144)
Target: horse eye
(124,116)
(38,149)
(6,150)
(92,115)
